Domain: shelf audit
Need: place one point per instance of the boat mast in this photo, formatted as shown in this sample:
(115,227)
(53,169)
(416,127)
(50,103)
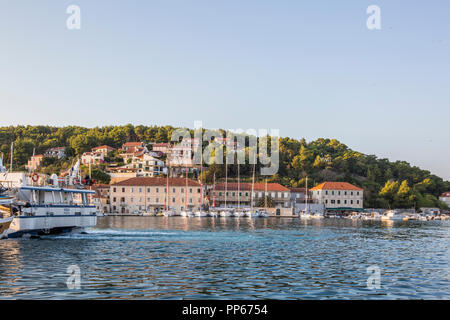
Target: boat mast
(226,180)
(185,191)
(265,195)
(306,196)
(253,183)
(239,185)
(201,178)
(214,191)
(12,153)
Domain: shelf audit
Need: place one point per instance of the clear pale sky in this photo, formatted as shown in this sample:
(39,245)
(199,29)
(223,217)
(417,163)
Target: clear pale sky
(309,68)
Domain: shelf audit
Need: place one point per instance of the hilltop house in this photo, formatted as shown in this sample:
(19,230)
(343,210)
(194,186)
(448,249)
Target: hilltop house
(58,152)
(92,158)
(35,162)
(103,149)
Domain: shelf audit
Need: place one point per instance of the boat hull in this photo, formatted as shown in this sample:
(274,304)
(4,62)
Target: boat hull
(4,226)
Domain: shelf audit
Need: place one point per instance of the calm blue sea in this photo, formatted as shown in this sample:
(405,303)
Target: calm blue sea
(228,258)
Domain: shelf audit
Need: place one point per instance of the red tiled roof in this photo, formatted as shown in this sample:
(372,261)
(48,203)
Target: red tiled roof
(336,186)
(445,194)
(152,181)
(103,147)
(160,145)
(259,186)
(132,144)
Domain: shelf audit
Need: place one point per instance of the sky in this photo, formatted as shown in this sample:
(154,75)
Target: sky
(308,68)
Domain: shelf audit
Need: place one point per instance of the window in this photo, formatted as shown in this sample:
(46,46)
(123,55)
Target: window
(114,199)
(357,201)
(140,189)
(326,200)
(140,199)
(279,195)
(339,193)
(114,189)
(123,189)
(174,190)
(357,193)
(332,193)
(198,190)
(351,193)
(240,193)
(190,190)
(173,200)
(148,190)
(131,199)
(326,192)
(351,201)
(339,201)
(190,200)
(234,193)
(157,200)
(345,201)
(345,192)
(246,194)
(220,194)
(157,189)
(333,201)
(132,190)
(182,190)
(122,199)
(148,199)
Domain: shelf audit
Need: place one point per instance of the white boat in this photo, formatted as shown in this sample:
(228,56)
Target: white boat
(316,216)
(211,214)
(45,210)
(392,215)
(183,214)
(263,214)
(169,213)
(223,214)
(247,214)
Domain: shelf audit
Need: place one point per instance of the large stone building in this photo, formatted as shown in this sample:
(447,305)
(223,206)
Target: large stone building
(150,194)
(338,195)
(240,195)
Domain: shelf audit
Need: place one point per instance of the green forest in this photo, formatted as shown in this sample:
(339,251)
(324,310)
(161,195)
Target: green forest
(386,184)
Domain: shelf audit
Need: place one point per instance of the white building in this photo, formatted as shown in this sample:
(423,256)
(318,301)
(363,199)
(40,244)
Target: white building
(92,158)
(445,197)
(338,195)
(59,152)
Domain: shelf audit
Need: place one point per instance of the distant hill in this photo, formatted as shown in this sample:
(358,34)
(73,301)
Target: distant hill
(386,184)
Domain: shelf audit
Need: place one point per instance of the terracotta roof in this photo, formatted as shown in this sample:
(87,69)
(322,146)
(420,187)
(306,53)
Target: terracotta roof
(132,144)
(160,145)
(336,186)
(103,147)
(259,186)
(152,181)
(298,190)
(445,194)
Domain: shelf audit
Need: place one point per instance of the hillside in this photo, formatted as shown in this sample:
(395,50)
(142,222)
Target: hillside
(386,184)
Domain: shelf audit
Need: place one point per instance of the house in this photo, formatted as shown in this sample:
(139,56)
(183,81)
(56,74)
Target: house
(133,147)
(240,194)
(35,162)
(145,165)
(150,194)
(433,211)
(103,149)
(445,197)
(92,158)
(338,196)
(161,147)
(58,152)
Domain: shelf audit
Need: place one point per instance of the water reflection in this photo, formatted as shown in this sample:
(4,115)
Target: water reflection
(278,258)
